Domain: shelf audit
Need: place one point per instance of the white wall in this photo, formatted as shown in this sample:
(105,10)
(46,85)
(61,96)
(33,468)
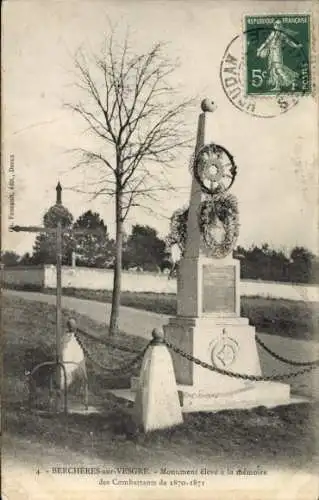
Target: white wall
(283,290)
(102,279)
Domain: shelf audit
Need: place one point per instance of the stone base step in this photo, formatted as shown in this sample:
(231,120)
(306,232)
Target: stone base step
(128,396)
(248,395)
(245,405)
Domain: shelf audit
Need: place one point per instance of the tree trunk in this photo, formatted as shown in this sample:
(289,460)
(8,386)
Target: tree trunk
(116,295)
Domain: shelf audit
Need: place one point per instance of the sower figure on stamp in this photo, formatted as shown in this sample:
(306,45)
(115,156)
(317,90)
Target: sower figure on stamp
(74,360)
(279,74)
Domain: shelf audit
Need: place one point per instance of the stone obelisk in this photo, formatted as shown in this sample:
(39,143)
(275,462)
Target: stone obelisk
(208,325)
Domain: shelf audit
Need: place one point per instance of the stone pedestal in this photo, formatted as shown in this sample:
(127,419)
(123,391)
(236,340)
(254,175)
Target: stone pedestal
(229,345)
(208,326)
(225,343)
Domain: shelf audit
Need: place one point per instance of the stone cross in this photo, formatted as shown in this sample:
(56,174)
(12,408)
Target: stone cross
(58,231)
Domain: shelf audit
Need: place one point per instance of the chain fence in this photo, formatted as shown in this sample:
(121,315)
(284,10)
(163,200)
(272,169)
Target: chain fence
(307,366)
(118,370)
(285,360)
(107,343)
(221,371)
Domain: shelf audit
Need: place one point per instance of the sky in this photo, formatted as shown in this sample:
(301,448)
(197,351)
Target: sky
(277,181)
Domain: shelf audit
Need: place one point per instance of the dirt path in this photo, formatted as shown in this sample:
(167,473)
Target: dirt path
(132,321)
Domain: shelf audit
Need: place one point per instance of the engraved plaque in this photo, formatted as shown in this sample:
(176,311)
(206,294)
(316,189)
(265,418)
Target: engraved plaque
(219,289)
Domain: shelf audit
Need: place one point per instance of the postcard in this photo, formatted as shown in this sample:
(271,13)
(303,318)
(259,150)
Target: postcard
(160,262)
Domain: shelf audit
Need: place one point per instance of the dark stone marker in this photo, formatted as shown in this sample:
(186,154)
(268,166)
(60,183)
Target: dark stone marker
(219,289)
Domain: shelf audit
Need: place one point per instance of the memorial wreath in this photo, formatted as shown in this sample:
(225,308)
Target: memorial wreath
(219,210)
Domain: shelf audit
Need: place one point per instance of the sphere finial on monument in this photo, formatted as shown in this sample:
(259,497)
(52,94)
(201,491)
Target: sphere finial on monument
(208,105)
(158,337)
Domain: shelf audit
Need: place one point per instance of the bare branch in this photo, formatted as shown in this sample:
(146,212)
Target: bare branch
(90,157)
(128,102)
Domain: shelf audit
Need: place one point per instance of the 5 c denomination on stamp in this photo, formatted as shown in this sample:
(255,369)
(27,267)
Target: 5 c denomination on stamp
(266,70)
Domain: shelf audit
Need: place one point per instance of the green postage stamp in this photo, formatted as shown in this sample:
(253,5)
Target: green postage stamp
(277,53)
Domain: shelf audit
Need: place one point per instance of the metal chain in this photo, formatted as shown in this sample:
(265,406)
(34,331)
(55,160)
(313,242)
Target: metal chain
(107,343)
(285,360)
(120,369)
(308,366)
(235,374)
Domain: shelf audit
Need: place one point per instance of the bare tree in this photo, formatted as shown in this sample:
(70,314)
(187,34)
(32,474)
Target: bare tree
(137,119)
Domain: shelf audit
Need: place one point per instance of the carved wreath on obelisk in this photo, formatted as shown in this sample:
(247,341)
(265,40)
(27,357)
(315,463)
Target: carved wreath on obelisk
(215,172)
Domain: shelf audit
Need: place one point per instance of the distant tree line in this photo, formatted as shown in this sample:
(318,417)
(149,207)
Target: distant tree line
(265,263)
(144,250)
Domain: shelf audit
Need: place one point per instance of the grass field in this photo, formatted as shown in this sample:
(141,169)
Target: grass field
(270,438)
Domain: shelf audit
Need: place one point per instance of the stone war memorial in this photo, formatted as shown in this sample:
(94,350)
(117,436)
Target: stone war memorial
(207,359)
(208,325)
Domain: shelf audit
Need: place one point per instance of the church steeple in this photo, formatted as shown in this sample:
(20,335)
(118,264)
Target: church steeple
(58,212)
(58,194)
